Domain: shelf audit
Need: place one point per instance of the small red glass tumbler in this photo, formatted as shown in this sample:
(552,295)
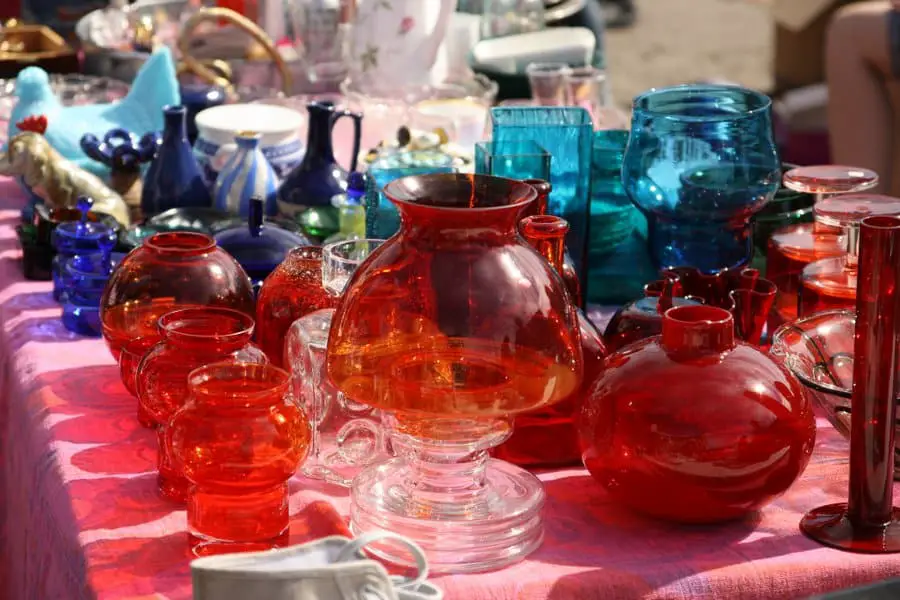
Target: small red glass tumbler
(869,522)
(694,426)
(191,338)
(238,440)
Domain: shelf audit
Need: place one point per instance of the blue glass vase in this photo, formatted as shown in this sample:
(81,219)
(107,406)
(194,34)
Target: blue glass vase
(174,179)
(246,175)
(513,160)
(87,277)
(700,161)
(564,132)
(78,238)
(319,178)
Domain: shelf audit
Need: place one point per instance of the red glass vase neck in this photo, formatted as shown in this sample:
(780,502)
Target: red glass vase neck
(238,385)
(697,330)
(460,206)
(539,206)
(207,330)
(547,235)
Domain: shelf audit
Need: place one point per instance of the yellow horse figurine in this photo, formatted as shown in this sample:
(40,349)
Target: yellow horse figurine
(56,180)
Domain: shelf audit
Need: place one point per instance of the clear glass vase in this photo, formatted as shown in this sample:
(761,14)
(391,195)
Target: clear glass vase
(346,435)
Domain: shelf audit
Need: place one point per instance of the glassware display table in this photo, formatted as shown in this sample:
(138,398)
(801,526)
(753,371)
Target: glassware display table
(80,516)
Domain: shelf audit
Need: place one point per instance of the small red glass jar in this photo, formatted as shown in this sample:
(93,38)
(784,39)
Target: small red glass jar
(168,271)
(292,290)
(238,440)
(693,426)
(191,338)
(547,438)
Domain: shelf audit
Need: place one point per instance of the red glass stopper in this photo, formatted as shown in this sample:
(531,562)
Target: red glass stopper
(830,179)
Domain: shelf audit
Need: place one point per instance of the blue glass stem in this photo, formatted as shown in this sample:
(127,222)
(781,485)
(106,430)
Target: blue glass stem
(709,247)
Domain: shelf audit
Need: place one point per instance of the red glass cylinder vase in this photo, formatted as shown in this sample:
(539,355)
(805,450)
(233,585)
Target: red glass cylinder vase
(694,426)
(292,290)
(191,338)
(168,271)
(238,440)
(869,522)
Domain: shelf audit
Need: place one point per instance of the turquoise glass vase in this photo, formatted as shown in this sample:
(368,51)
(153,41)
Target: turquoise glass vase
(619,263)
(565,132)
(700,162)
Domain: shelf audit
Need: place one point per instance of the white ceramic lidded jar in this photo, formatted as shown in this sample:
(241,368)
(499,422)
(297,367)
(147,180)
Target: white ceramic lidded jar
(279,128)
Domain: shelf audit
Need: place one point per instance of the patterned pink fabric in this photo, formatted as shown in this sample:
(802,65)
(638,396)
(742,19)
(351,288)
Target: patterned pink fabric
(82,518)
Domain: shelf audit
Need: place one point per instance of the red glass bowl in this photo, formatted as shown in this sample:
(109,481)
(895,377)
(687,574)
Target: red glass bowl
(693,426)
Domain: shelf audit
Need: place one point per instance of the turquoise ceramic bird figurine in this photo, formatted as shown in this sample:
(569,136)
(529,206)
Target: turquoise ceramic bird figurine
(140,112)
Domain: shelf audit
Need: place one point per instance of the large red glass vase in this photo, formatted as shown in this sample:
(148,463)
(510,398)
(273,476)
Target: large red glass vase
(693,426)
(547,438)
(452,327)
(191,338)
(292,290)
(168,271)
(238,440)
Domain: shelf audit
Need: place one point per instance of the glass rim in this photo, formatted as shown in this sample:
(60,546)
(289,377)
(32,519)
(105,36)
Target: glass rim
(245,324)
(763,102)
(192,242)
(534,150)
(329,254)
(793,326)
(522,193)
(547,68)
(280,379)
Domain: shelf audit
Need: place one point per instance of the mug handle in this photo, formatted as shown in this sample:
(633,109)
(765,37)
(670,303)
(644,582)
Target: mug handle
(357,132)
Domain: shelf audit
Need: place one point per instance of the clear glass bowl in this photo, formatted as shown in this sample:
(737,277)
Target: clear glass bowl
(818,350)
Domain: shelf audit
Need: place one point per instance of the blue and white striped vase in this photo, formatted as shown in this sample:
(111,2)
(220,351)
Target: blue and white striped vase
(247,174)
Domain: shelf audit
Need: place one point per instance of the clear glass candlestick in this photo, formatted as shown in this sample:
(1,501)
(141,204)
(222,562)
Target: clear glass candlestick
(346,435)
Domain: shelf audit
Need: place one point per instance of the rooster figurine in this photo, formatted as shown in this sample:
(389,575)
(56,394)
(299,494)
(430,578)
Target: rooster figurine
(140,111)
(51,177)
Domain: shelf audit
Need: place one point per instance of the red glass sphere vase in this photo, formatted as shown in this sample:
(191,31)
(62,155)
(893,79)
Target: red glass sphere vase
(168,271)
(292,290)
(191,338)
(693,426)
(238,440)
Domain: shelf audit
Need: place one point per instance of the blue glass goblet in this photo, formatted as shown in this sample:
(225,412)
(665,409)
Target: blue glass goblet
(700,161)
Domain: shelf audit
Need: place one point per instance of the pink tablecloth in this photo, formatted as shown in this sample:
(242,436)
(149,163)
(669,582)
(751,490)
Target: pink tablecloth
(82,518)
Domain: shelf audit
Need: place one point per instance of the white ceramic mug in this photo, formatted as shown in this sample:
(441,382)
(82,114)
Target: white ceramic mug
(278,126)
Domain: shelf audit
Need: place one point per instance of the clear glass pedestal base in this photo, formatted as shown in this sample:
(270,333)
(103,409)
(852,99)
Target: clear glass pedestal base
(495,524)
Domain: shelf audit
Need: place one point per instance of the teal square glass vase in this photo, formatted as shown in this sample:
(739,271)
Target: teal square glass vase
(566,133)
(513,160)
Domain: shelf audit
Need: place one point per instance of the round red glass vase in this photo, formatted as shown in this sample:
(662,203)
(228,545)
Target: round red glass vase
(292,290)
(238,440)
(168,271)
(191,338)
(693,426)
